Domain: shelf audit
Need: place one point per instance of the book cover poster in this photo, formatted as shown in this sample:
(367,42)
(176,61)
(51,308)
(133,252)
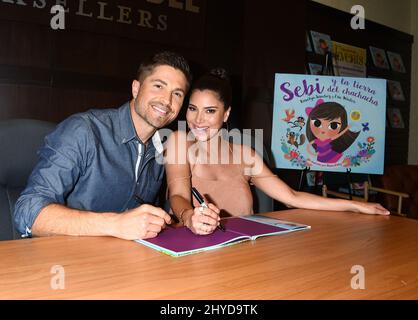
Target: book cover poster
(321,42)
(396,62)
(395,118)
(379,58)
(395,90)
(348,60)
(315,69)
(329,123)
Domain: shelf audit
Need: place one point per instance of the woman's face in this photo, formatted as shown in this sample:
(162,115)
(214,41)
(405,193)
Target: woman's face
(324,129)
(206,114)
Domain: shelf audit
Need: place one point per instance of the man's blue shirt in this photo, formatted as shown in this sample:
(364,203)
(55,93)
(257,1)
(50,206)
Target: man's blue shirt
(90,162)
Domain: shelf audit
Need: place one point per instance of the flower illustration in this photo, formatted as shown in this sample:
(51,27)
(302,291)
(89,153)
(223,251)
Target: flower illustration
(346,162)
(365,152)
(366,149)
(293,155)
(362,153)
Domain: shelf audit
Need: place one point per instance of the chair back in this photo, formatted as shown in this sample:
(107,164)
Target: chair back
(402,178)
(338,181)
(19,141)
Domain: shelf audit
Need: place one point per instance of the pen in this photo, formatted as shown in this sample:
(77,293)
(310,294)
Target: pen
(202,202)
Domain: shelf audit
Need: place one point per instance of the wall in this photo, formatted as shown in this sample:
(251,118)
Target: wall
(413,150)
(401,15)
(49,74)
(394,14)
(269,48)
(91,63)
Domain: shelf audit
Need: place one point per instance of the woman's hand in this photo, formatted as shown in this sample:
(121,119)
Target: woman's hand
(370,208)
(202,220)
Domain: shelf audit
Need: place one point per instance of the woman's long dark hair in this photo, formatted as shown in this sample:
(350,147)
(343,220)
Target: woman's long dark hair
(216,80)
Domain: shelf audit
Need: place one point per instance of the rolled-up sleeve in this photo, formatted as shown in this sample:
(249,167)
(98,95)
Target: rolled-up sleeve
(62,159)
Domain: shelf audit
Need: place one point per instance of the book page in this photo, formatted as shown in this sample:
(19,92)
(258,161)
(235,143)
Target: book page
(276,222)
(251,228)
(179,241)
(258,226)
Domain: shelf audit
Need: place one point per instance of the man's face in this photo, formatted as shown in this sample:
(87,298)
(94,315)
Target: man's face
(158,99)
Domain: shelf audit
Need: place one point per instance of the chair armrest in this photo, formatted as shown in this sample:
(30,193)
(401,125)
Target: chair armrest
(343,195)
(395,193)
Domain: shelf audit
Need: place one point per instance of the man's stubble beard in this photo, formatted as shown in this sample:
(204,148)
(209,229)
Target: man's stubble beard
(144,117)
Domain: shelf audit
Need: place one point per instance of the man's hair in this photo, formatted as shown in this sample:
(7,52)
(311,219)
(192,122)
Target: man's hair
(167,58)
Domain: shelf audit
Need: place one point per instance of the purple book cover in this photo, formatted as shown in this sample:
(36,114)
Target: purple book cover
(183,240)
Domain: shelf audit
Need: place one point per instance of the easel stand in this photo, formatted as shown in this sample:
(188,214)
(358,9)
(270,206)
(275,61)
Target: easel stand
(328,67)
(350,189)
(302,177)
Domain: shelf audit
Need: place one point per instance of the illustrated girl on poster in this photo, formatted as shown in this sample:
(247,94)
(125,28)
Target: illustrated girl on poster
(328,132)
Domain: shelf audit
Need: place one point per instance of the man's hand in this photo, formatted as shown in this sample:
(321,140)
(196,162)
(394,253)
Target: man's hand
(143,222)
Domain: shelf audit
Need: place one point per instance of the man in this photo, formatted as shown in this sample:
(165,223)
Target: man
(98,172)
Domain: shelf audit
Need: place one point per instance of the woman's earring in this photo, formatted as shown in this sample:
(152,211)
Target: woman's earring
(225,130)
(225,126)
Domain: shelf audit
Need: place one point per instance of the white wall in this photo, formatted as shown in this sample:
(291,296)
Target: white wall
(401,15)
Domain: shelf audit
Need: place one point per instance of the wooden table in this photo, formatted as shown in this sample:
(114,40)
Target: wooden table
(311,264)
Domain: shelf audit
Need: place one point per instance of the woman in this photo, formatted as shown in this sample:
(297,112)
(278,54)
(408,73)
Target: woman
(222,171)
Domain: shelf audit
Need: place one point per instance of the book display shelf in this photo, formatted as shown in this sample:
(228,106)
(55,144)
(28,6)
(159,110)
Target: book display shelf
(388,56)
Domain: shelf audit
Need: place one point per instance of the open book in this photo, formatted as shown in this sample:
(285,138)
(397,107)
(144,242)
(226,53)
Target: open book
(181,241)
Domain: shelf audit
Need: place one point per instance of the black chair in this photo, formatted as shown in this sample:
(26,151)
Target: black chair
(19,141)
